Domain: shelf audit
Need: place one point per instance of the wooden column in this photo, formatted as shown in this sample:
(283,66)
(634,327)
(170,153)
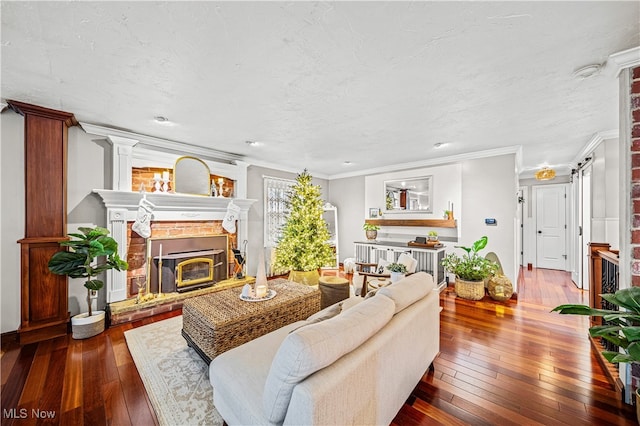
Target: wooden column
(44,312)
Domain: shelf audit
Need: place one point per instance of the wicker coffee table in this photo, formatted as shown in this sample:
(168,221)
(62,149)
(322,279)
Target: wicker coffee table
(216,322)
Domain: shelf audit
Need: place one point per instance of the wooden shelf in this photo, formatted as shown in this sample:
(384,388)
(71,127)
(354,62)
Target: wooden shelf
(433,223)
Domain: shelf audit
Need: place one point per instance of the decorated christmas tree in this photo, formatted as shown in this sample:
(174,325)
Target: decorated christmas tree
(304,244)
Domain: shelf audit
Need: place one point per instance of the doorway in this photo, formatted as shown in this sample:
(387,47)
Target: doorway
(585,227)
(551,226)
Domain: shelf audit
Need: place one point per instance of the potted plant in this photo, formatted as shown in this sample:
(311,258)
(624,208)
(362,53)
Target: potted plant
(304,246)
(371,230)
(81,262)
(432,236)
(397,270)
(622,328)
(470,270)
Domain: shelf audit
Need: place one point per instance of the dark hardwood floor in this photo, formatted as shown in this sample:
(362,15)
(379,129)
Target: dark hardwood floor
(511,363)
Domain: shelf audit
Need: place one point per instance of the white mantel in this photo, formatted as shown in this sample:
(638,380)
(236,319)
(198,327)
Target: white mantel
(122,207)
(135,150)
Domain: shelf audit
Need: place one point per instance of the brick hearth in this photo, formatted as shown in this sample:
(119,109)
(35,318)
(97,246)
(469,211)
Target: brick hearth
(128,310)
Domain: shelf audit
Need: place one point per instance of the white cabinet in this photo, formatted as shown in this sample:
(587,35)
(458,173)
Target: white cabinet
(429,260)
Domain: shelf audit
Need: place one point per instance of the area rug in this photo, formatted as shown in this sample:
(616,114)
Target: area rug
(174,376)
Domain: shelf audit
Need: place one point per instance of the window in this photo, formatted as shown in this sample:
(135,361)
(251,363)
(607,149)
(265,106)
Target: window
(276,195)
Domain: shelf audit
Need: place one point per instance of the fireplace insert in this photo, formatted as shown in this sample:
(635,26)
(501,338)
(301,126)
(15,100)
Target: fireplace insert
(185,271)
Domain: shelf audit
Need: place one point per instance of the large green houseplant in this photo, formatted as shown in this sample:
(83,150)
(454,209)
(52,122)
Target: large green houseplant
(304,246)
(91,253)
(470,269)
(622,328)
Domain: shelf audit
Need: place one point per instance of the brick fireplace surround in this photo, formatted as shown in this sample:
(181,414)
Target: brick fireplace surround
(174,214)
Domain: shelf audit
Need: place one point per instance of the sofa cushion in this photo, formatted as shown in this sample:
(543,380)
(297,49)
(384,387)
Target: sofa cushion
(408,290)
(350,302)
(318,345)
(325,314)
(408,261)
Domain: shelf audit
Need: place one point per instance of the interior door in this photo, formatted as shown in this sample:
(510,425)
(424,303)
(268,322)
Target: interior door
(586,225)
(551,227)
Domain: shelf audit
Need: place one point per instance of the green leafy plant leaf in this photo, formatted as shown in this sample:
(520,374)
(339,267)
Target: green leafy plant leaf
(82,259)
(623,328)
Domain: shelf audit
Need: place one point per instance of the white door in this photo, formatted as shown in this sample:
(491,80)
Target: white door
(586,226)
(551,227)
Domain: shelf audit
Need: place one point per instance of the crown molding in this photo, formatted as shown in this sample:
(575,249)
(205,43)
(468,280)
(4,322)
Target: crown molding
(258,163)
(164,144)
(625,59)
(592,144)
(516,149)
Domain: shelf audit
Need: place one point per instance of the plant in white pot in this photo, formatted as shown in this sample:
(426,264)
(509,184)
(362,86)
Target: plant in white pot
(397,271)
(81,261)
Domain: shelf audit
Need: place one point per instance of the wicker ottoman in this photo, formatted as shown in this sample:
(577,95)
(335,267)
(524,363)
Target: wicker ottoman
(216,322)
(332,290)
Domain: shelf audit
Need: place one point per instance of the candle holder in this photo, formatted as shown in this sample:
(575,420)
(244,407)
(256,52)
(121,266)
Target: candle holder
(165,185)
(220,183)
(157,186)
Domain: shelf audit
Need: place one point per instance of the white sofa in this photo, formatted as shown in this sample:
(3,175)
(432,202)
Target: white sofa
(354,365)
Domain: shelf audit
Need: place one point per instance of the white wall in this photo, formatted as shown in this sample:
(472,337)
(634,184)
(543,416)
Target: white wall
(489,190)
(347,195)
(605,194)
(446,189)
(88,160)
(11,217)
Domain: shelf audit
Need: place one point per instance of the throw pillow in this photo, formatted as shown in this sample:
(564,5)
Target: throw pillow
(382,267)
(408,261)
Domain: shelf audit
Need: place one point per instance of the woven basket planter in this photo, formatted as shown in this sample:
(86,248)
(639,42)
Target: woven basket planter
(471,290)
(84,326)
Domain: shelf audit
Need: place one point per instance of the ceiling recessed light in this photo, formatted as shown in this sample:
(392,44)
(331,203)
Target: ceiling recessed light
(439,145)
(588,71)
(347,163)
(160,119)
(252,143)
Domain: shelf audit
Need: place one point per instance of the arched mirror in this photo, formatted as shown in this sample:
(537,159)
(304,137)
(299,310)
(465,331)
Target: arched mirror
(191,176)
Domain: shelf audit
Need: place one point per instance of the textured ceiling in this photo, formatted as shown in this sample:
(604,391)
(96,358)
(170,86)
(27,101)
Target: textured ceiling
(318,84)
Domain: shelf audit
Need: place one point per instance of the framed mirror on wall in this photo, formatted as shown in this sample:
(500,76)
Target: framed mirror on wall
(409,195)
(191,175)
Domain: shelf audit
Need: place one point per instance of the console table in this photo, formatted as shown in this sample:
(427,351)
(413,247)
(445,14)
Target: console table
(429,259)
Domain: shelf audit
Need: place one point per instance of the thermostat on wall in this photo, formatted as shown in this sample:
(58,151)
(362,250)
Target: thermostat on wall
(490,221)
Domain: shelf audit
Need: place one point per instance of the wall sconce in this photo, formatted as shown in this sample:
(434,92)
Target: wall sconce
(545,174)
